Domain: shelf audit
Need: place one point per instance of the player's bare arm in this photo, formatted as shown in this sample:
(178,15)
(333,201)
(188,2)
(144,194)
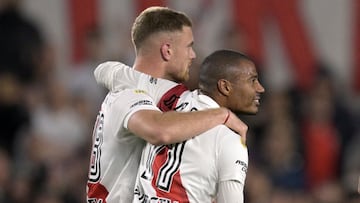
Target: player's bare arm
(170,127)
(164,128)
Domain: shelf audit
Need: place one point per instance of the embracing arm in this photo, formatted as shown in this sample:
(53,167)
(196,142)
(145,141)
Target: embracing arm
(115,75)
(170,127)
(157,127)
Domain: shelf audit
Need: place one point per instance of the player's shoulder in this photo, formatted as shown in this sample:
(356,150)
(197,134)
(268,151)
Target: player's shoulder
(220,131)
(224,129)
(126,95)
(226,136)
(148,81)
(128,91)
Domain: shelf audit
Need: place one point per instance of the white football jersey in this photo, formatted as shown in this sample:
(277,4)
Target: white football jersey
(190,171)
(184,172)
(117,76)
(116,151)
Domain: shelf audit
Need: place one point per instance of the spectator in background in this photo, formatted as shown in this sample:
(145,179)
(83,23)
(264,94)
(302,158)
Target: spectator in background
(21,47)
(277,165)
(351,168)
(14,116)
(257,182)
(329,192)
(323,131)
(54,152)
(81,80)
(58,124)
(21,42)
(321,139)
(281,155)
(5,180)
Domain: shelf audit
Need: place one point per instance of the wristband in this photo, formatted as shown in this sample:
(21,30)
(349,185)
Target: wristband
(227,117)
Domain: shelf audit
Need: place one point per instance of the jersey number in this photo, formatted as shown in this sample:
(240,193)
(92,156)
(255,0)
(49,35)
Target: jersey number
(162,163)
(94,171)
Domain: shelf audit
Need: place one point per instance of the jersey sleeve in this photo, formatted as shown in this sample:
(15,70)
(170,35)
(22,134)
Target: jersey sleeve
(130,101)
(117,76)
(229,192)
(232,158)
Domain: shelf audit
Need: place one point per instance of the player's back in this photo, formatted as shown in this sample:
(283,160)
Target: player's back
(190,171)
(116,152)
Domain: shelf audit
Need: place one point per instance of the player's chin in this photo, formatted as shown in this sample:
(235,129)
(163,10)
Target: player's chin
(254,110)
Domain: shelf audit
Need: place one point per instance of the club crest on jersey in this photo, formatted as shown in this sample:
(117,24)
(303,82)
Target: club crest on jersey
(139,91)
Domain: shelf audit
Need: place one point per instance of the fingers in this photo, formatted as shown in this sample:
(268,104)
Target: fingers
(238,126)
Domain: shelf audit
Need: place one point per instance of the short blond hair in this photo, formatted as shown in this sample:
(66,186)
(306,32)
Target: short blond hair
(157,19)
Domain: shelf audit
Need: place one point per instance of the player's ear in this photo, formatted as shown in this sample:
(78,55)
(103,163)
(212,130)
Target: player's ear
(224,87)
(166,51)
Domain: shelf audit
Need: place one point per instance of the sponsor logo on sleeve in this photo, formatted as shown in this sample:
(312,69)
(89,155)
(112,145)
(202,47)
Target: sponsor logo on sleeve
(142,102)
(242,165)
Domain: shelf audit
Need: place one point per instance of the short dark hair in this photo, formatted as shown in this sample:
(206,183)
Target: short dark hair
(219,65)
(157,19)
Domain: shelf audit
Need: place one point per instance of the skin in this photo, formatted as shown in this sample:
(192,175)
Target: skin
(172,62)
(244,92)
(175,50)
(182,56)
(239,91)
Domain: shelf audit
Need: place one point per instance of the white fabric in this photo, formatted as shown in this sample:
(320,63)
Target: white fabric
(215,156)
(228,192)
(117,76)
(116,152)
(107,74)
(120,149)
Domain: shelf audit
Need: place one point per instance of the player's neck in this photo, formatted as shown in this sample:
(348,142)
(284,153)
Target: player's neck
(149,66)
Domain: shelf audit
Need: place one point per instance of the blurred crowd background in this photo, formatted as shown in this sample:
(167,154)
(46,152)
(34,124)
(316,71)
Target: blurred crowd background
(304,145)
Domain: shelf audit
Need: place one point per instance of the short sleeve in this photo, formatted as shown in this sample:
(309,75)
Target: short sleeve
(116,76)
(230,192)
(232,158)
(132,100)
